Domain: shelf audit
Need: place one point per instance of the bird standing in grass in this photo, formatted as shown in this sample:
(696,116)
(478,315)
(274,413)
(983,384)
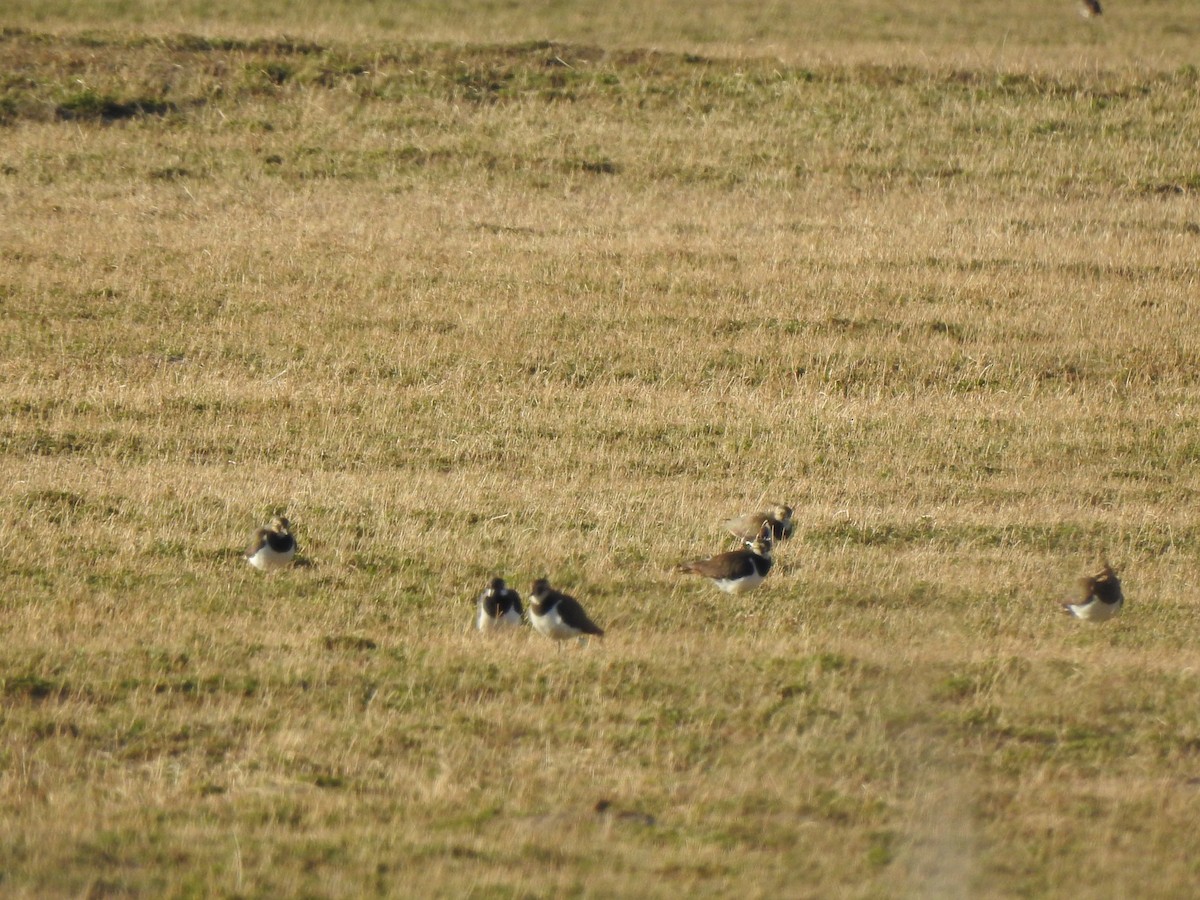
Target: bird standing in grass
(1102,597)
(273,547)
(738,571)
(1089,9)
(558,616)
(778,516)
(499,607)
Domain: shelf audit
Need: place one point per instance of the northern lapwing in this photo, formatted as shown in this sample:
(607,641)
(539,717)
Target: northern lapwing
(1102,597)
(558,615)
(1089,9)
(273,547)
(747,527)
(499,607)
(737,571)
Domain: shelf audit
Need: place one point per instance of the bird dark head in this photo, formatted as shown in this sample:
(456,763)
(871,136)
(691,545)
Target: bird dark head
(540,588)
(497,584)
(762,543)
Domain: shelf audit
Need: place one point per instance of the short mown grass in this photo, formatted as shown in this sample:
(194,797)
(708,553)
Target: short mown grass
(502,295)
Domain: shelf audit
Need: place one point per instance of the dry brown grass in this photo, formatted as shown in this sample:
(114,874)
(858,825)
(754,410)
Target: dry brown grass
(464,310)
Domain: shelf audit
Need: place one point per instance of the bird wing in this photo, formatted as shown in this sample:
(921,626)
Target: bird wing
(572,614)
(734,564)
(514,601)
(748,526)
(257,542)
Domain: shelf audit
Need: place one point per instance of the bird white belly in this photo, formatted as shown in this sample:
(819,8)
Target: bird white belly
(1095,611)
(739,585)
(510,619)
(553,626)
(268,560)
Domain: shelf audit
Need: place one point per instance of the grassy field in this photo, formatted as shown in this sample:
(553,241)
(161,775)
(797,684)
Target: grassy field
(471,289)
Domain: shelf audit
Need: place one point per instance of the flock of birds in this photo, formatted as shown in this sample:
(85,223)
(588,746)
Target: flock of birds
(561,617)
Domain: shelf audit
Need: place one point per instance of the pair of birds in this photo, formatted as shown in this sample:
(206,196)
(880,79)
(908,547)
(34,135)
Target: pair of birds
(552,613)
(740,571)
